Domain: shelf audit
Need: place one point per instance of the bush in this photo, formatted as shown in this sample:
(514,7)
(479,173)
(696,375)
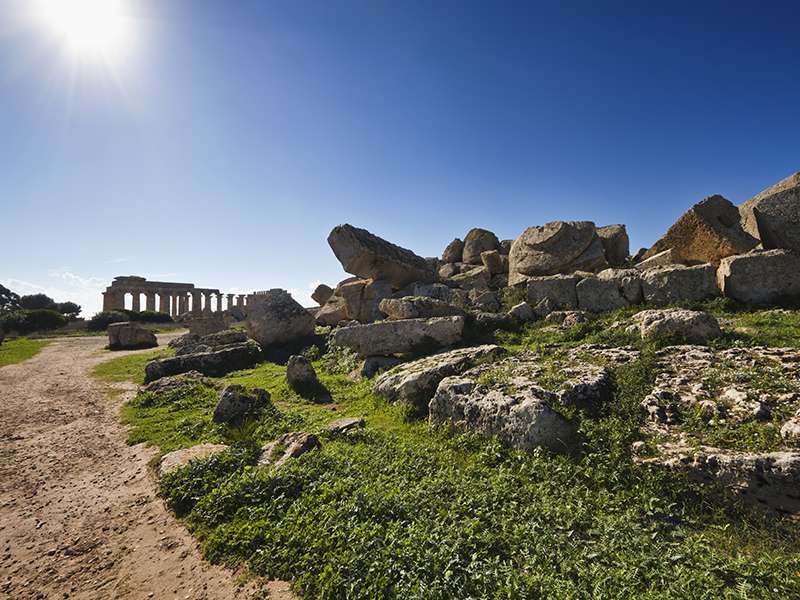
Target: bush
(102,320)
(28,321)
(152,316)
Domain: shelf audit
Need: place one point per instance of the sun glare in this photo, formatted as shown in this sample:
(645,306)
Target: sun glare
(90,29)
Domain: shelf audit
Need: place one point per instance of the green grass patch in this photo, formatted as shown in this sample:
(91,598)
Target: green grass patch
(19,349)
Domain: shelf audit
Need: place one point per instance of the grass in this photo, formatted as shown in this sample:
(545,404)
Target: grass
(19,349)
(404,509)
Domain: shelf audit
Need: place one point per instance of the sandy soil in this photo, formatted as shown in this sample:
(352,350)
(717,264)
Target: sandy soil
(79,515)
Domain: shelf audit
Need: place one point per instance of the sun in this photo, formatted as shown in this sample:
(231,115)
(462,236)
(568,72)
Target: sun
(90,29)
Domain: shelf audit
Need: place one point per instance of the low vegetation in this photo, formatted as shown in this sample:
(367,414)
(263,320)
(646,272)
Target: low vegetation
(17,350)
(404,509)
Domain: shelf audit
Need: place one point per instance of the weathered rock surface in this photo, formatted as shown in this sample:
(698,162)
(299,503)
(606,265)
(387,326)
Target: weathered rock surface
(476,242)
(558,247)
(760,276)
(522,420)
(289,445)
(370,366)
(616,247)
(663,285)
(168,384)
(191,343)
(560,289)
(333,312)
(492,260)
(237,400)
(345,424)
(774,215)
(706,233)
(393,337)
(790,432)
(299,371)
(212,364)
(126,336)
(276,318)
(662,259)
(696,327)
(418,308)
(522,312)
(180,458)
(629,282)
(369,257)
(770,481)
(363,297)
(415,382)
(598,295)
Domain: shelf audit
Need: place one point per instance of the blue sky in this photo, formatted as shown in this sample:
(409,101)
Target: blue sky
(228,139)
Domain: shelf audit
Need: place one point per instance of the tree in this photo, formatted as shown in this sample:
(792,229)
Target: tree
(70,309)
(8,299)
(37,302)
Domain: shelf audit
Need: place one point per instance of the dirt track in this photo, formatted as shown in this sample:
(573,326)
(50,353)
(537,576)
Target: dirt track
(79,517)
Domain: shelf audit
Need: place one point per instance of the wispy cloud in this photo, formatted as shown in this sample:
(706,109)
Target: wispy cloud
(68,288)
(119,260)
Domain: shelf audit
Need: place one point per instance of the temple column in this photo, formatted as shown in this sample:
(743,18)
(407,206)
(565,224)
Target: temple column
(182,303)
(196,304)
(230,301)
(151,301)
(163,302)
(207,304)
(240,300)
(136,304)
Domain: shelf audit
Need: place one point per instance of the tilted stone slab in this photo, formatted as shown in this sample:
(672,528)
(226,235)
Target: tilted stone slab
(706,233)
(393,337)
(774,215)
(415,382)
(367,256)
(211,364)
(663,285)
(760,276)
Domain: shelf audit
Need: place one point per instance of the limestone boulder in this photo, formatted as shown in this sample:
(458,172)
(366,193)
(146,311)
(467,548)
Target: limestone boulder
(212,364)
(333,312)
(237,401)
(615,243)
(773,217)
(522,312)
(418,307)
(180,458)
(521,419)
(363,298)
(493,261)
(599,295)
(706,233)
(759,277)
(472,276)
(345,425)
(663,285)
(369,257)
(629,282)
(662,259)
(560,289)
(185,380)
(127,336)
(477,242)
(276,318)
(414,383)
(191,343)
(322,294)
(370,366)
(394,337)
(454,252)
(558,247)
(288,446)
(790,432)
(694,326)
(300,371)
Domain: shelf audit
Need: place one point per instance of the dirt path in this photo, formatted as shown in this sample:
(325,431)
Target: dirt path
(79,517)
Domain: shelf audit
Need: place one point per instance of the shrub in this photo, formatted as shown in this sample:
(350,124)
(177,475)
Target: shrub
(102,320)
(27,321)
(152,316)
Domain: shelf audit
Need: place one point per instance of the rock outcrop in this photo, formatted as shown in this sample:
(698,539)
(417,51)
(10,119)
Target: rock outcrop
(369,257)
(695,327)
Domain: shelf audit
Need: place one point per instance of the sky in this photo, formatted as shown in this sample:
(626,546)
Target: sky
(219,143)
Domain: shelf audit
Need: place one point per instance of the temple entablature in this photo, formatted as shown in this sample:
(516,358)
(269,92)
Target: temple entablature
(174,299)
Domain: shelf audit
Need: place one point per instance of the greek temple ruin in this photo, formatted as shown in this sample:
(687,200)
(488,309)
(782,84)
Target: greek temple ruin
(174,299)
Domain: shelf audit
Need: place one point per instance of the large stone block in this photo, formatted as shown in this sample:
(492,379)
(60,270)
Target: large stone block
(616,246)
(393,337)
(561,289)
(774,216)
(420,307)
(276,318)
(598,295)
(760,276)
(663,285)
(477,242)
(454,252)
(696,327)
(629,282)
(369,257)
(363,297)
(211,364)
(706,233)
(558,247)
